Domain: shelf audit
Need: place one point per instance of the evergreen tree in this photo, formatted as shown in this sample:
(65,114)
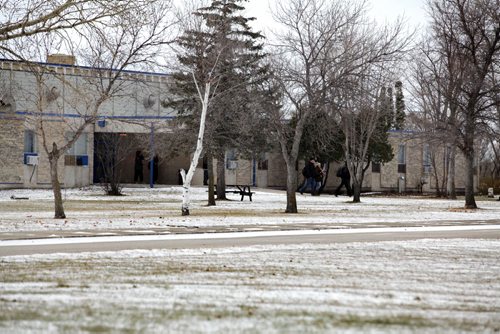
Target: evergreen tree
(390,106)
(383,105)
(400,106)
(226,47)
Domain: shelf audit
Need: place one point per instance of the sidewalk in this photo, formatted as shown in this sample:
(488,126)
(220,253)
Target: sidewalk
(180,229)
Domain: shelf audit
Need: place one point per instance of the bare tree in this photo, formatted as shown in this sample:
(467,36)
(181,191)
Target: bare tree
(326,48)
(471,28)
(307,50)
(437,78)
(20,19)
(126,40)
(375,54)
(111,151)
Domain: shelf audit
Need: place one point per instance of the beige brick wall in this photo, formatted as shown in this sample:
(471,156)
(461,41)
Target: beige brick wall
(390,177)
(276,172)
(11,151)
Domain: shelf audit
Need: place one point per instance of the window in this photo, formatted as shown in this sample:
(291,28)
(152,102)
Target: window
(231,154)
(402,159)
(262,163)
(231,159)
(80,146)
(30,155)
(402,154)
(77,153)
(447,156)
(427,159)
(29,141)
(375,167)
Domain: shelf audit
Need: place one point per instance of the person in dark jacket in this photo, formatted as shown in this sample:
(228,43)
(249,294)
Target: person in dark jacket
(138,173)
(308,172)
(345,176)
(318,178)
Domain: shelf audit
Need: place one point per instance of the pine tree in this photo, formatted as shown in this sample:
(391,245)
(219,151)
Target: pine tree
(400,116)
(384,108)
(390,107)
(228,48)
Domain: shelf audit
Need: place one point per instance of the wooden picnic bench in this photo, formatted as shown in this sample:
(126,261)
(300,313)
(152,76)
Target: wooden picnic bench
(241,189)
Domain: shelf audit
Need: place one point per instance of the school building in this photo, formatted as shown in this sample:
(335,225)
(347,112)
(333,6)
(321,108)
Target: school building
(139,115)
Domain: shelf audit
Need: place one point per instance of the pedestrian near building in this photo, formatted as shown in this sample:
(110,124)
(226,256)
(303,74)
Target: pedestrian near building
(308,173)
(345,176)
(318,178)
(138,171)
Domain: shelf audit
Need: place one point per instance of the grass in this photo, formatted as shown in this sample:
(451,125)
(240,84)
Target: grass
(360,287)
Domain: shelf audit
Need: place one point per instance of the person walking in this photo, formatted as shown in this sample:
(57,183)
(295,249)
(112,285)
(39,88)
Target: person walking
(345,176)
(308,172)
(138,175)
(318,178)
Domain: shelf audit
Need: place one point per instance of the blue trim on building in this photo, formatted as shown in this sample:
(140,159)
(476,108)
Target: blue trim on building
(31,113)
(403,131)
(85,67)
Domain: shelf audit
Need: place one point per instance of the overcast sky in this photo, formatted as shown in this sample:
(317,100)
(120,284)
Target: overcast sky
(381,10)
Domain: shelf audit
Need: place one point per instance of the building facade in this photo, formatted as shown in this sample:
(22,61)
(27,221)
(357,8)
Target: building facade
(137,114)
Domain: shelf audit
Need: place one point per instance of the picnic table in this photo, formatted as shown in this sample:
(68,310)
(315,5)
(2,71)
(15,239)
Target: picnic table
(241,189)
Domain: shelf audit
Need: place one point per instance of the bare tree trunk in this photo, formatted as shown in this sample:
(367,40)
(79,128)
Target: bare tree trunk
(210,168)
(439,190)
(291,187)
(356,192)
(470,202)
(325,177)
(56,188)
(221,175)
(452,193)
(187,178)
(357,183)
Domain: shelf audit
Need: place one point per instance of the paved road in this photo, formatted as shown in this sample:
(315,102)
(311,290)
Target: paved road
(208,240)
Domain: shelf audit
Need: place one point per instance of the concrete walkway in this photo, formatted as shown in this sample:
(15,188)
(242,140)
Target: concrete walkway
(184,229)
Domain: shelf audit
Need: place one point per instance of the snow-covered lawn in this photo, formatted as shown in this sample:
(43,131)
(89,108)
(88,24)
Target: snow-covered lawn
(431,286)
(434,286)
(144,208)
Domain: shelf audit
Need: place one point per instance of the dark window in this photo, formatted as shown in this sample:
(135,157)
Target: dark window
(402,158)
(29,141)
(375,167)
(402,154)
(427,159)
(262,163)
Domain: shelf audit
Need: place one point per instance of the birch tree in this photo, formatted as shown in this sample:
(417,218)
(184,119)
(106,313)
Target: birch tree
(204,97)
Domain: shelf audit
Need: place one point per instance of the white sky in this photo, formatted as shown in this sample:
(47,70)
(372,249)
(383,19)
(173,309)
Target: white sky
(382,10)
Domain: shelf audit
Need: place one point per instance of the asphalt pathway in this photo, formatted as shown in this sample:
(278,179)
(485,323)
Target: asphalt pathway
(243,238)
(190,229)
